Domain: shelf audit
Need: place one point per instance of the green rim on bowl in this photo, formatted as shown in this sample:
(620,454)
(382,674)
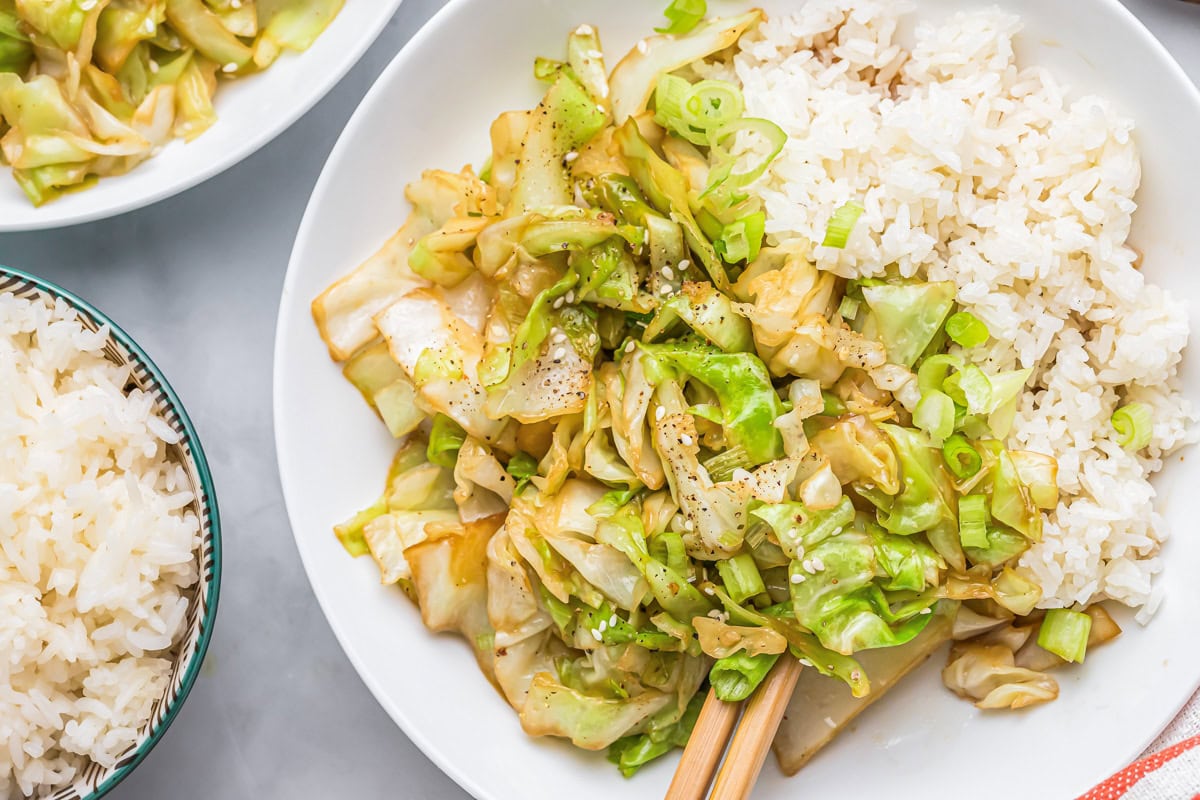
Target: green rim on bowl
(203,610)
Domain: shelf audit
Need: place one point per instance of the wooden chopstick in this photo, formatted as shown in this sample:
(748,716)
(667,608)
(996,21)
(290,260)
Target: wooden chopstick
(704,749)
(756,727)
(755,732)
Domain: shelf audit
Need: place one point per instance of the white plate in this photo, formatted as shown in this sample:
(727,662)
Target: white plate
(251,111)
(432,107)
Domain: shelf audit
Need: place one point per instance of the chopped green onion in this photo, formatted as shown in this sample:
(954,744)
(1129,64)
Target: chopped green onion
(934,371)
(742,239)
(741,577)
(1134,425)
(445,440)
(970,388)
(669,97)
(684,15)
(1065,633)
(934,414)
(966,329)
(735,677)
(722,173)
(961,458)
(972,520)
(837,233)
(711,104)
(849,308)
(696,111)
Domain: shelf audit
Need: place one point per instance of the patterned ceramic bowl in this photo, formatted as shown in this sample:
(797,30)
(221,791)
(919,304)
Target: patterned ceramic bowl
(96,781)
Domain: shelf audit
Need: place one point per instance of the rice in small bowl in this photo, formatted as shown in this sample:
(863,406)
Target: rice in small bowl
(109,547)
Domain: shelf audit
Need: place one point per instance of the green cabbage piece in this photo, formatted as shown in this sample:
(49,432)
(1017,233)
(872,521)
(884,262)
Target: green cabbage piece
(905,318)
(749,404)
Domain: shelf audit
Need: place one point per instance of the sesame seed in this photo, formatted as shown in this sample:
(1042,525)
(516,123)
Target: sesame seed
(714,614)
(560,353)
(926,610)
(708,590)
(629,347)
(805,662)
(666,289)
(668,273)
(230,67)
(807,564)
(558,338)
(829,721)
(798,578)
(659,413)
(571,156)
(596,635)
(571,296)
(818,564)
(612,621)
(686,440)
(558,303)
(688,525)
(684,264)
(603,626)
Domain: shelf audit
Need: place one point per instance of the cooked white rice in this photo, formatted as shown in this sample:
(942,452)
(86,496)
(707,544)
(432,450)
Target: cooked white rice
(96,551)
(975,169)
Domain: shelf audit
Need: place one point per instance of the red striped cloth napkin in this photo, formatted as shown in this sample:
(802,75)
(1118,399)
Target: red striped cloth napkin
(1168,772)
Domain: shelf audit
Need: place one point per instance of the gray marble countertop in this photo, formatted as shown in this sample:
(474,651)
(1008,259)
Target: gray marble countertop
(278,712)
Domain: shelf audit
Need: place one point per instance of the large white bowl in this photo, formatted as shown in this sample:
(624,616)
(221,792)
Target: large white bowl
(432,108)
(251,111)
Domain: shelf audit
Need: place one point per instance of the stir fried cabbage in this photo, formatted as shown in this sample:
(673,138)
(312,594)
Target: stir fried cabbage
(644,449)
(91,88)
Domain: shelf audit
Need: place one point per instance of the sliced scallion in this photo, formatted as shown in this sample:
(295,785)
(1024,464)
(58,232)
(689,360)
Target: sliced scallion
(1065,633)
(972,520)
(961,458)
(837,232)
(725,174)
(966,329)
(741,240)
(741,577)
(1134,424)
(710,104)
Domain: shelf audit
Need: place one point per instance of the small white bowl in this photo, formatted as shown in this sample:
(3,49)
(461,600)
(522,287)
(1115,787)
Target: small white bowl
(432,108)
(251,111)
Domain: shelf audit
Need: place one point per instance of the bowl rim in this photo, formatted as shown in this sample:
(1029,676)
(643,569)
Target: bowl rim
(209,493)
(252,143)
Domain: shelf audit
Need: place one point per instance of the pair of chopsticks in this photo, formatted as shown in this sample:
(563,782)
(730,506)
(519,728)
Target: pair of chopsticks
(752,723)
